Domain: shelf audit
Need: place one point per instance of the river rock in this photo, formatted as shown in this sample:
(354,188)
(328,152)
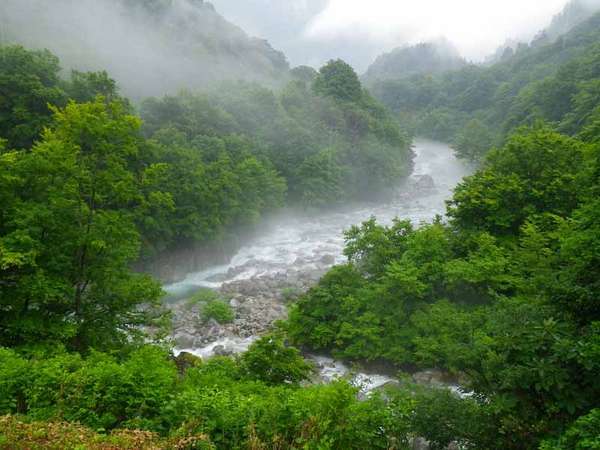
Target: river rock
(431,377)
(184,340)
(424,183)
(213,324)
(185,361)
(328,260)
(221,350)
(419,443)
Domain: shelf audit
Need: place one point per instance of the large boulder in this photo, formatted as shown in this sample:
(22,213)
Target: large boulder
(328,260)
(185,361)
(424,183)
(221,350)
(184,340)
(431,377)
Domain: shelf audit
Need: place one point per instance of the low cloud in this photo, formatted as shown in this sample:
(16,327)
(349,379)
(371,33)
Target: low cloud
(476,27)
(313,31)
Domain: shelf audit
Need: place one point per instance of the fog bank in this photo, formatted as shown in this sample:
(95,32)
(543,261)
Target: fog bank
(151,47)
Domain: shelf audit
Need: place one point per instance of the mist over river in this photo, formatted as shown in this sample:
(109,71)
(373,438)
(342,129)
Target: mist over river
(294,251)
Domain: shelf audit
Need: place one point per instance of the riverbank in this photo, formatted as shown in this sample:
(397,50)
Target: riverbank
(291,254)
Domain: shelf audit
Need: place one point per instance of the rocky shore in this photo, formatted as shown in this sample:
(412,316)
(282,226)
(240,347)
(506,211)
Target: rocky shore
(257,304)
(259,287)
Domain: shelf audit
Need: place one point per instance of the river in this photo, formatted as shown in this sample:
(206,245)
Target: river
(292,246)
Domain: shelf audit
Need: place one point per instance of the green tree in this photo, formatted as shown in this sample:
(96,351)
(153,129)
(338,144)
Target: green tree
(271,361)
(582,435)
(321,179)
(305,74)
(473,141)
(579,261)
(86,86)
(29,83)
(338,80)
(535,173)
(69,235)
(371,247)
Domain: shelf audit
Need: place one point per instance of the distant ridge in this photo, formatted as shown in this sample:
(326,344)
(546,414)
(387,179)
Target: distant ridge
(575,13)
(421,59)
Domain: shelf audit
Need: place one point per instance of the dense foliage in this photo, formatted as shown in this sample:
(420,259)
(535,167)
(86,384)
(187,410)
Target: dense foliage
(328,138)
(68,234)
(506,292)
(18,434)
(254,402)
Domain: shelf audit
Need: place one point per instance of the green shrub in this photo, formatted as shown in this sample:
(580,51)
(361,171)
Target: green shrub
(212,306)
(204,295)
(290,294)
(218,310)
(101,391)
(442,417)
(19,434)
(13,372)
(584,434)
(271,361)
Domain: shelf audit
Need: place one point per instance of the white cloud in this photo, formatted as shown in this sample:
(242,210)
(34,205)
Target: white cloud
(477,27)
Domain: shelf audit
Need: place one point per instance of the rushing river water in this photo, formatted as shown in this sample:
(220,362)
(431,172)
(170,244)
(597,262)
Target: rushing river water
(296,244)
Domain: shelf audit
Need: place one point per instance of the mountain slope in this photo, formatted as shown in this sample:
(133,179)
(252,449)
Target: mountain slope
(477,107)
(151,47)
(424,58)
(573,14)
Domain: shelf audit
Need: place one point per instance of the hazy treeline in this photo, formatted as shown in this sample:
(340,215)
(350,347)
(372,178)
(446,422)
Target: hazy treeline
(427,58)
(574,13)
(328,138)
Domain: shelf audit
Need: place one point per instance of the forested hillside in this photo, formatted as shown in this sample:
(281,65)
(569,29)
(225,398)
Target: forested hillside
(427,58)
(477,107)
(574,13)
(329,145)
(154,47)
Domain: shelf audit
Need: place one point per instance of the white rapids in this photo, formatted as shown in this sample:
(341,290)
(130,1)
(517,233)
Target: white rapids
(296,244)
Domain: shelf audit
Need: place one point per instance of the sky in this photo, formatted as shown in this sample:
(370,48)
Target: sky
(313,31)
